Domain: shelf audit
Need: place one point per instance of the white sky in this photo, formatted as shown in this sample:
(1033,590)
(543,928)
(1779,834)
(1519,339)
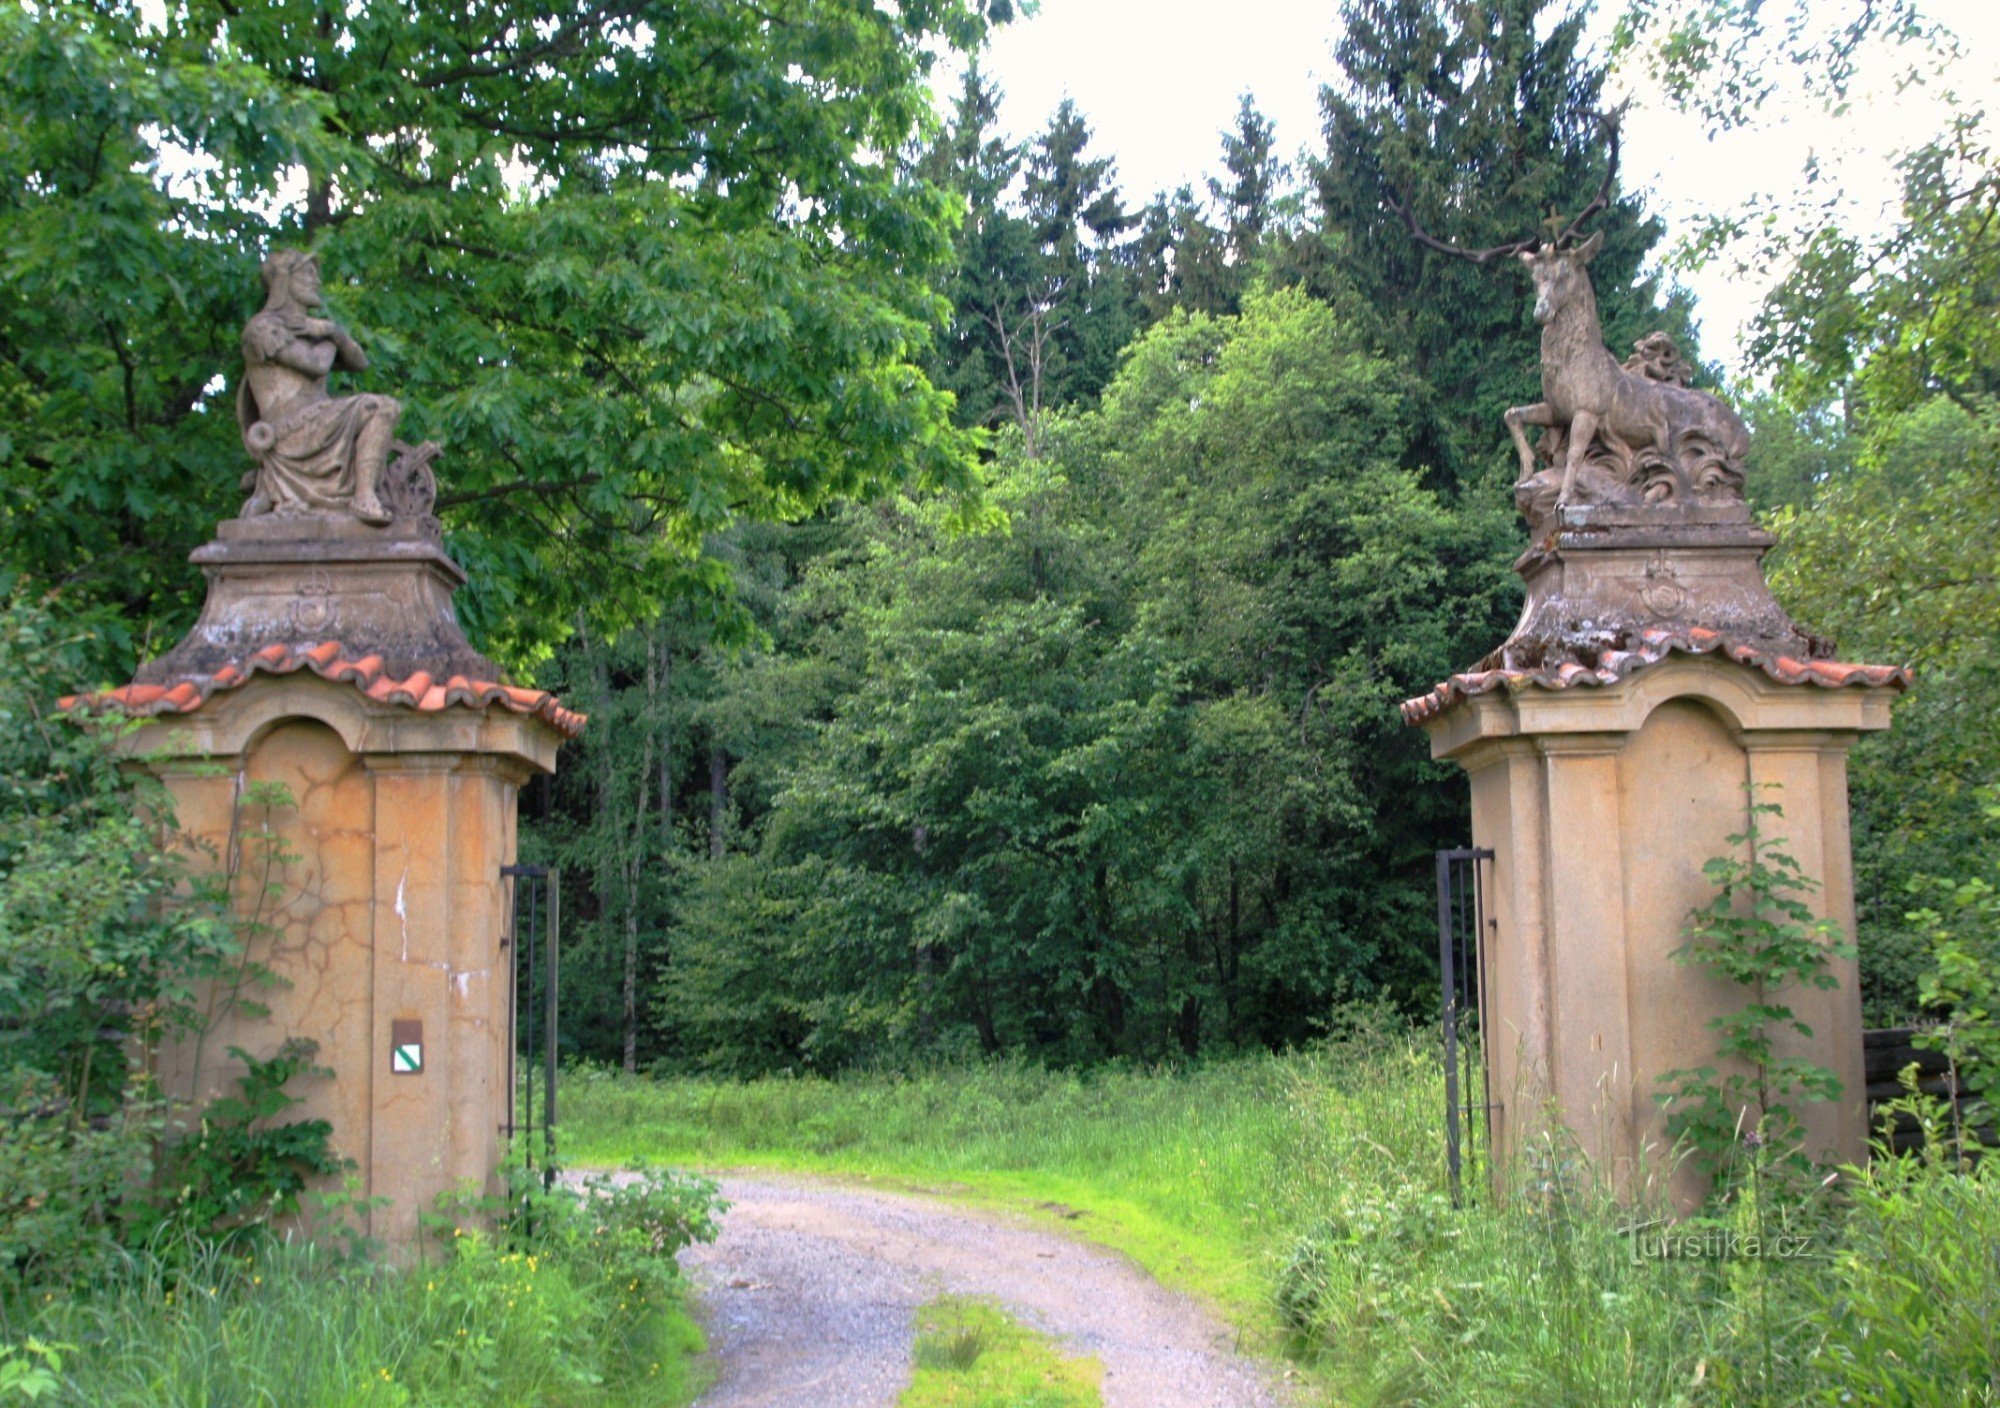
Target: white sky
(1158,80)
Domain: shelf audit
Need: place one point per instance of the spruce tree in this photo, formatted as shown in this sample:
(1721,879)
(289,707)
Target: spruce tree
(1081,229)
(1247,197)
(1183,260)
(1484,118)
(996,276)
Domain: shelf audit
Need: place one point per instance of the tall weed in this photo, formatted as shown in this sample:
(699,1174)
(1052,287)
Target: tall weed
(1306,1193)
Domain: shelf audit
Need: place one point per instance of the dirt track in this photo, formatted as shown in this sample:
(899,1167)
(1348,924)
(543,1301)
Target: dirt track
(810,1291)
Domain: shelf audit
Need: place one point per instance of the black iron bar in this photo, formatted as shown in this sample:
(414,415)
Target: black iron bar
(549,1042)
(1462,990)
(507,941)
(1448,988)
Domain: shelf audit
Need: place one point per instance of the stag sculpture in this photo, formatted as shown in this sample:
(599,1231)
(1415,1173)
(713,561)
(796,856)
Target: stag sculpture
(1632,432)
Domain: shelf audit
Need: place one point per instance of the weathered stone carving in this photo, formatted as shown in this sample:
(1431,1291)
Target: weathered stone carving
(317,453)
(1617,434)
(1634,492)
(1635,433)
(338,545)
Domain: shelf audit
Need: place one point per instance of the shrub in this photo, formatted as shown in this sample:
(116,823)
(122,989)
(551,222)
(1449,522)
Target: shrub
(106,934)
(1761,935)
(1912,1302)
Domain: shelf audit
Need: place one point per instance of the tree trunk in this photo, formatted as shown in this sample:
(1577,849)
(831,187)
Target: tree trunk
(635,870)
(655,650)
(718,799)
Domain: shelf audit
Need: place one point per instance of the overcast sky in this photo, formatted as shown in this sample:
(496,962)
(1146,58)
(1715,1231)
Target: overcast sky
(1159,80)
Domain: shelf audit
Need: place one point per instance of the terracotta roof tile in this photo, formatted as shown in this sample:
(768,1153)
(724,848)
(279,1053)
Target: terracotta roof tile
(327,660)
(1654,646)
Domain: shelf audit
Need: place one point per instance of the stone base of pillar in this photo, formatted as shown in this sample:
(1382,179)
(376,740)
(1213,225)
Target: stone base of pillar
(1601,797)
(385,918)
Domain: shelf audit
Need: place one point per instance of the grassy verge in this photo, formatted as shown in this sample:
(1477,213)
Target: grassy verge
(290,1327)
(971,1355)
(584,1311)
(1304,1195)
(1201,1177)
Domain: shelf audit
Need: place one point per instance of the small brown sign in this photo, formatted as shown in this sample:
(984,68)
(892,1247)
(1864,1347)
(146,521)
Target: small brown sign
(406,1047)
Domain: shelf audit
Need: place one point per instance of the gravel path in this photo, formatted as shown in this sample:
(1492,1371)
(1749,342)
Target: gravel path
(810,1291)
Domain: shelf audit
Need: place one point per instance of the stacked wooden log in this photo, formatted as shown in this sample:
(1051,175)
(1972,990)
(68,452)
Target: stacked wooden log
(1887,1053)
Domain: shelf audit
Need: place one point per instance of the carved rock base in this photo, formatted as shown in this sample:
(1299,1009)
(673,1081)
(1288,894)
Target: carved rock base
(1608,573)
(304,580)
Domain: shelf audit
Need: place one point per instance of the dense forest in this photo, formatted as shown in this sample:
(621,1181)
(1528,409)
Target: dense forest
(991,588)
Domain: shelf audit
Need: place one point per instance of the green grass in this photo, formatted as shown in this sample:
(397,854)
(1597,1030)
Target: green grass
(1304,1196)
(476,1326)
(1202,1177)
(970,1354)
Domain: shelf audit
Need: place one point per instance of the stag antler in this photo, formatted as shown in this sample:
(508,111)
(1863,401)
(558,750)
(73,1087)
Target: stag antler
(1430,241)
(1598,203)
(1602,200)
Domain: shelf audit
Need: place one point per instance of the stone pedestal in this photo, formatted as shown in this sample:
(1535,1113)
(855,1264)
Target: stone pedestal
(1610,743)
(1600,806)
(306,580)
(329,660)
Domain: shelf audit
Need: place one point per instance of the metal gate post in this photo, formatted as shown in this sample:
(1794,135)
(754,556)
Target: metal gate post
(549,1025)
(532,1025)
(1448,1019)
(1461,912)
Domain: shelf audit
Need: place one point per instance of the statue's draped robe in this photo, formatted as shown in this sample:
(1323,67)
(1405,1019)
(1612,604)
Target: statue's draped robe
(310,465)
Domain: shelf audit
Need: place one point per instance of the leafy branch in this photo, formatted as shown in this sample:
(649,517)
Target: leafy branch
(1760,934)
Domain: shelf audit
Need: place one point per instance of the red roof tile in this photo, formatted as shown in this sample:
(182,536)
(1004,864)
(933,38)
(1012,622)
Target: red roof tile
(1654,646)
(420,691)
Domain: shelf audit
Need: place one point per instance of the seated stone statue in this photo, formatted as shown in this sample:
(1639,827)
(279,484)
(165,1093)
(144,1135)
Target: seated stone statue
(315,453)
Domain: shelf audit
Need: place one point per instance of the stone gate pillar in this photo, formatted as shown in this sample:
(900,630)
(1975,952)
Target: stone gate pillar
(1609,743)
(328,659)
(384,916)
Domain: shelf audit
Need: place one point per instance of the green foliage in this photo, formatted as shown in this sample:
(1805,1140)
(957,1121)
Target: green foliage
(1911,1303)
(1963,981)
(1892,557)
(1724,59)
(690,229)
(96,954)
(629,1226)
(1800,454)
(571,1319)
(1042,295)
(1305,1195)
(237,1169)
(1760,935)
(1123,779)
(28,1371)
(108,938)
